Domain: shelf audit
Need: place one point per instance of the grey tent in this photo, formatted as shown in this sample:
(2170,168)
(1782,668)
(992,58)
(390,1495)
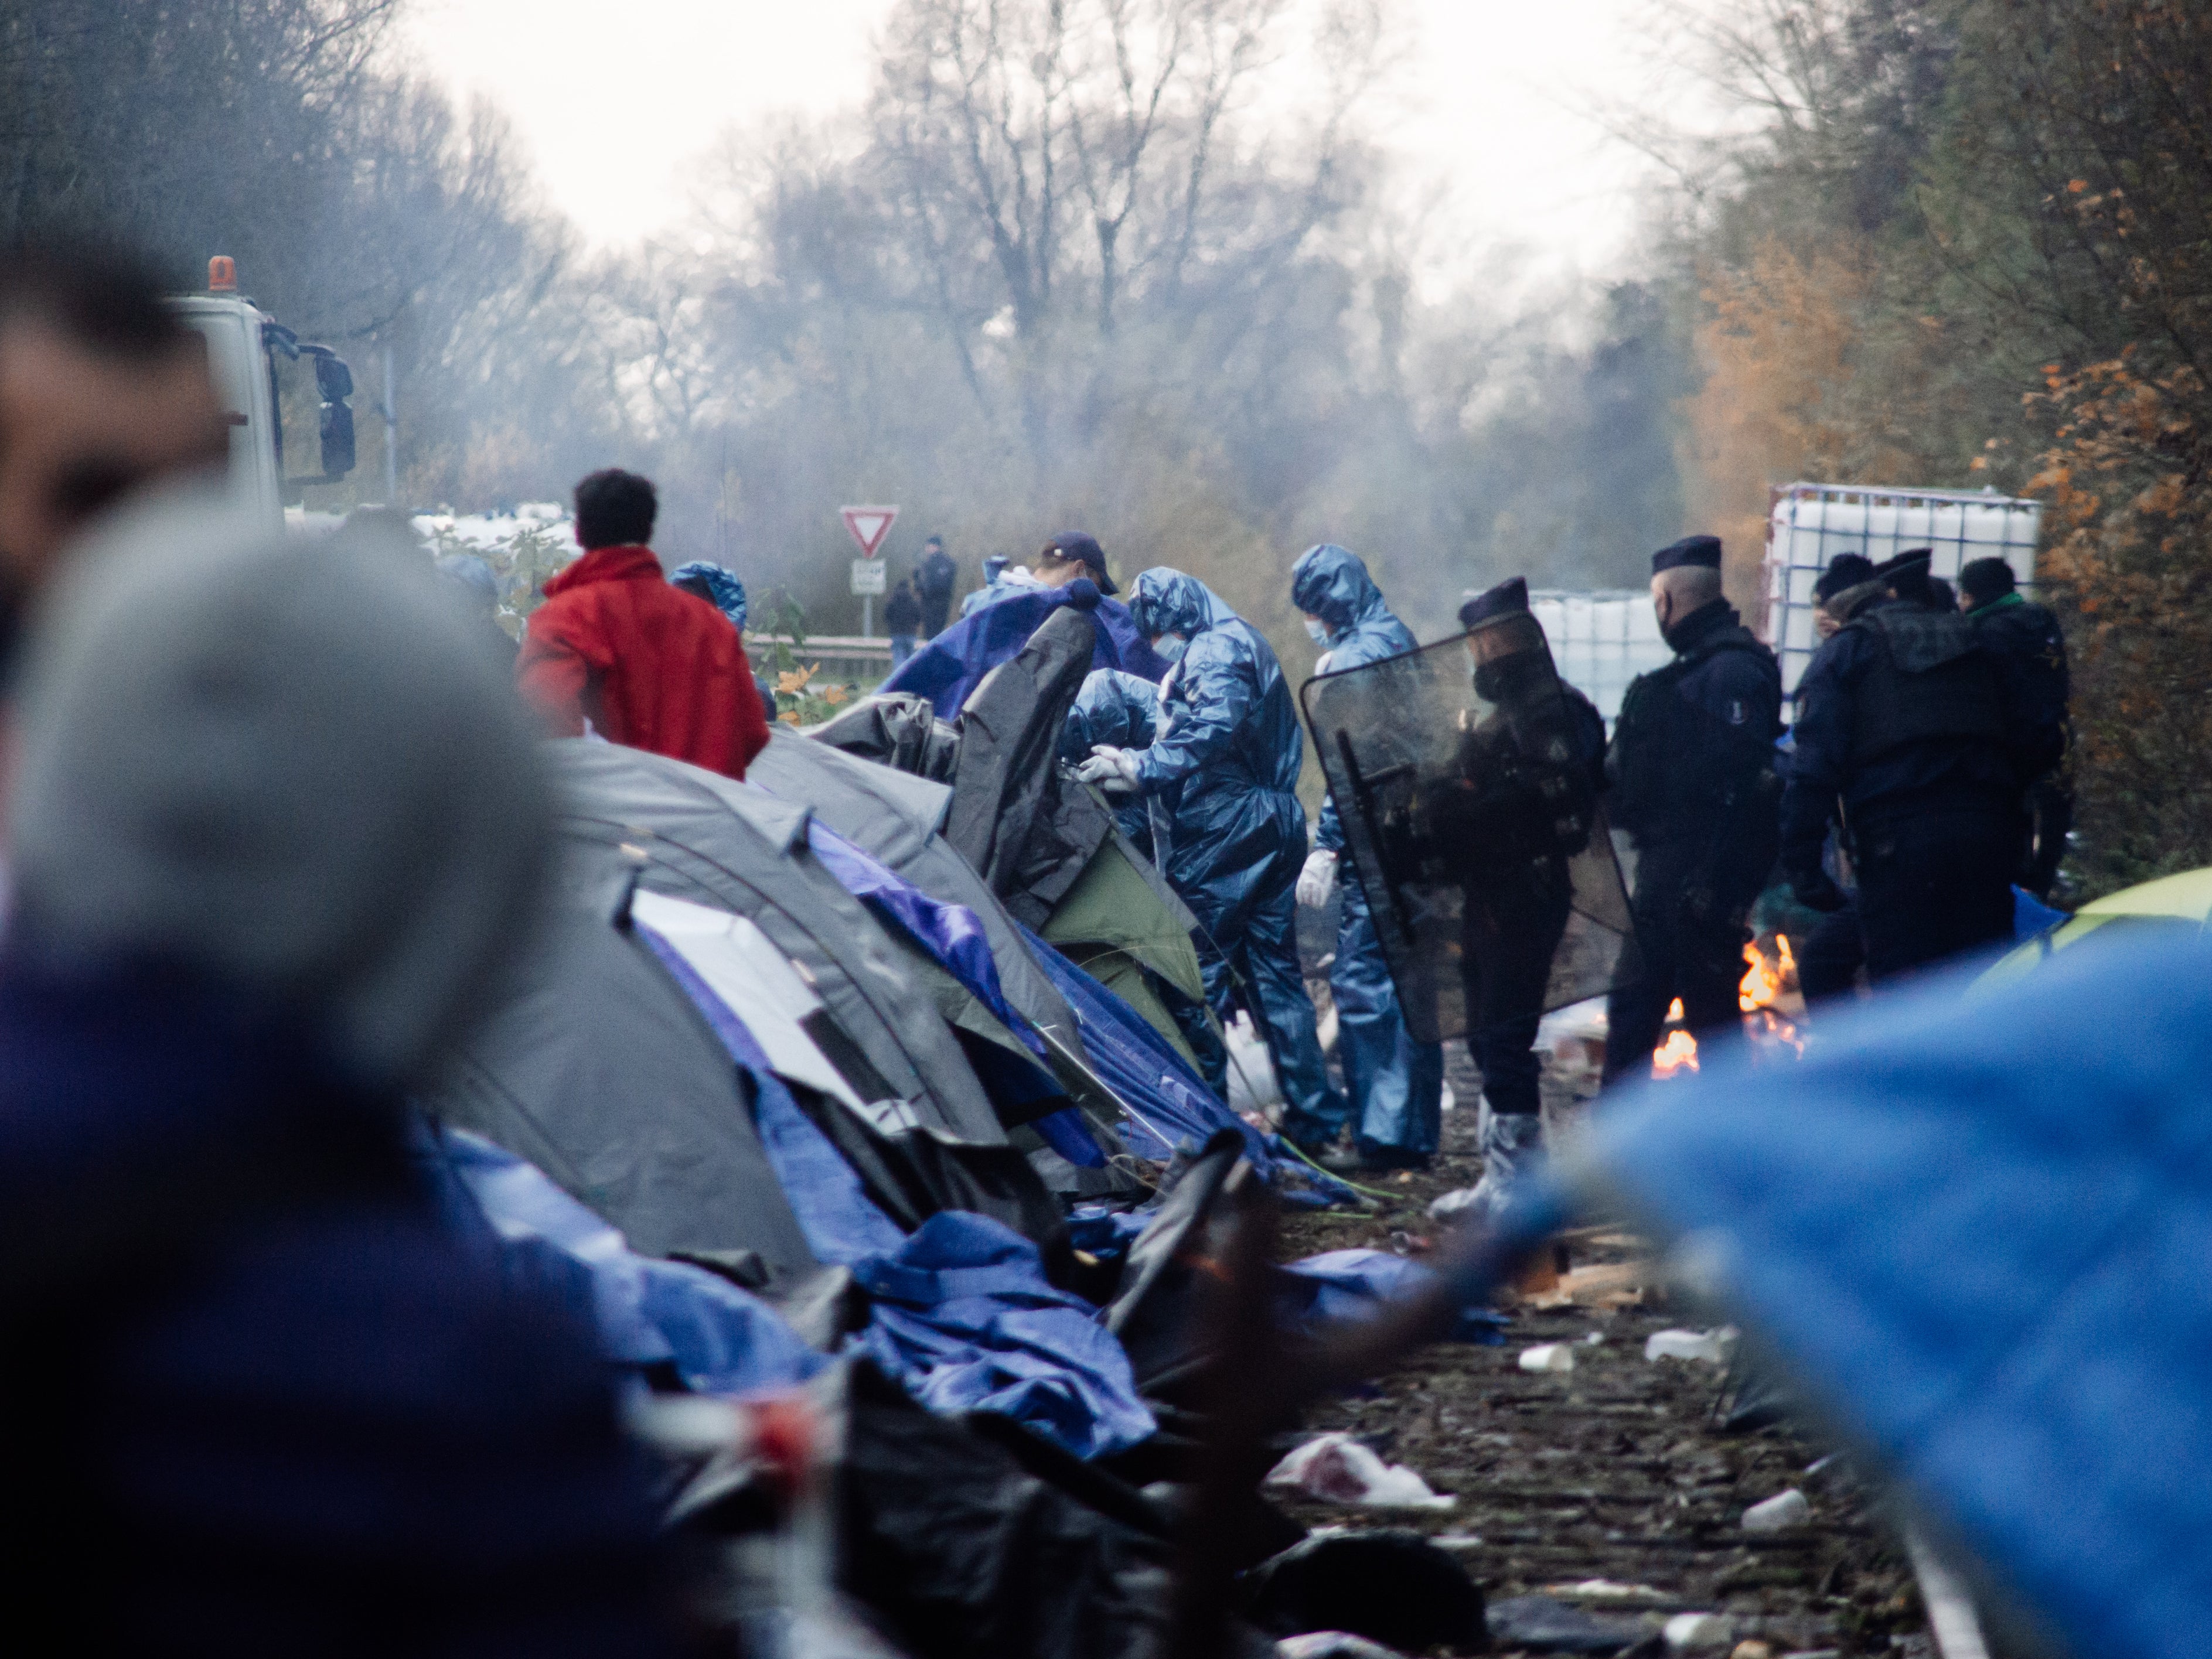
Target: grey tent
(599,1070)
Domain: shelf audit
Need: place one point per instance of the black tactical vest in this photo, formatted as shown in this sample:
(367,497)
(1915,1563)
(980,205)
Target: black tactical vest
(1929,678)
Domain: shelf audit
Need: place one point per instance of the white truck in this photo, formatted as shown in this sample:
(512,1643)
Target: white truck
(261,371)
(1808,525)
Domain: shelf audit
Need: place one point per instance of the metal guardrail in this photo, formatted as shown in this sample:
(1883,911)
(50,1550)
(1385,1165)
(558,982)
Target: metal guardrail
(844,658)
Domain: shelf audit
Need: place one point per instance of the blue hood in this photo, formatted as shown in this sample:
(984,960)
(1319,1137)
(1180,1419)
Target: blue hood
(1329,582)
(1165,600)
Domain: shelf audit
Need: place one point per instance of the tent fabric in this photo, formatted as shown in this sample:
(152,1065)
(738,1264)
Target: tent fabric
(963,1316)
(595,1071)
(1111,905)
(719,1338)
(1016,817)
(704,837)
(961,1313)
(1976,1235)
(1345,1287)
(949,668)
(1168,1106)
(894,816)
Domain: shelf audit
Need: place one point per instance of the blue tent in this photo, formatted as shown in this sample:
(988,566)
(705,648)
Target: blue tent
(949,668)
(1979,1235)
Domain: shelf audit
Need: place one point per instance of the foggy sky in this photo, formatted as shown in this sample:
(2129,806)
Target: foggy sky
(612,101)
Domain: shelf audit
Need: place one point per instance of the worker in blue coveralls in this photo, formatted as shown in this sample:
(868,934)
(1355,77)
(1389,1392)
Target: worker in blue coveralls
(1397,1082)
(1224,768)
(1122,711)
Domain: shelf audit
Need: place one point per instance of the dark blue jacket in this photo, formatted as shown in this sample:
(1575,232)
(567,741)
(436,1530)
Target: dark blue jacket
(1938,774)
(1123,711)
(281,1407)
(2026,639)
(1331,582)
(949,667)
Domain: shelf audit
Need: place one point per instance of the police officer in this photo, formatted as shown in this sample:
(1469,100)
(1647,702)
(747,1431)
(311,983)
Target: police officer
(1397,1083)
(1833,951)
(1529,774)
(1906,740)
(1692,770)
(2026,638)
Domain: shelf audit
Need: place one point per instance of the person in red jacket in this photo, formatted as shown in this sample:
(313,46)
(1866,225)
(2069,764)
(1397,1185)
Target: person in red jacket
(645,664)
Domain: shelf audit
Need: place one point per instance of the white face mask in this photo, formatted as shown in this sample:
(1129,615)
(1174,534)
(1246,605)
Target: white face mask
(1171,646)
(1317,630)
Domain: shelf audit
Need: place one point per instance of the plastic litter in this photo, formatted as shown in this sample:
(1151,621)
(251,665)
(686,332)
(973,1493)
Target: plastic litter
(1690,1632)
(1332,1644)
(1548,1357)
(1541,1624)
(1338,1469)
(1606,1590)
(1391,1586)
(1778,1513)
(1710,1347)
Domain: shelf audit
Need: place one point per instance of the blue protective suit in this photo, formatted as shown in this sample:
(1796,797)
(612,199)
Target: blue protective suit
(949,668)
(1224,770)
(1117,708)
(1397,1083)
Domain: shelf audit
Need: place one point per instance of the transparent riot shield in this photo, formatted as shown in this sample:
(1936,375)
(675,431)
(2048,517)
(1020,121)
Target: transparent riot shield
(1465,779)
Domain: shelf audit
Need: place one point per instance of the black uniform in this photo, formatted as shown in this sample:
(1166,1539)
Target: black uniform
(2026,638)
(935,578)
(1522,806)
(1693,776)
(1911,735)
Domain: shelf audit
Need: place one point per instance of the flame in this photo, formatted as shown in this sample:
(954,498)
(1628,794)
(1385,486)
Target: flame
(1763,986)
(1679,1052)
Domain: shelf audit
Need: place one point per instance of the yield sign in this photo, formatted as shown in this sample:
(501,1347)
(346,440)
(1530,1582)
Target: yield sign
(868,525)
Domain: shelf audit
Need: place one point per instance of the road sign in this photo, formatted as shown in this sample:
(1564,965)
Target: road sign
(868,526)
(869,576)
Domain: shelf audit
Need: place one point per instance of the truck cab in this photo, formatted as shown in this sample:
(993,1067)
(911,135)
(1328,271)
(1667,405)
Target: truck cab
(285,398)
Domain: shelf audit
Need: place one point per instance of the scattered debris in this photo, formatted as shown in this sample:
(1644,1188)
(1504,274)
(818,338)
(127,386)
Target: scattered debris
(1710,1347)
(1332,1644)
(1338,1469)
(1391,1586)
(1548,1357)
(1543,1625)
(1751,1650)
(1605,1590)
(1607,1285)
(1689,1632)
(1778,1513)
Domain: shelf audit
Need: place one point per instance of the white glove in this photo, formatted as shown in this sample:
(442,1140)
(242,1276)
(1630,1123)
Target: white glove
(1112,769)
(1317,880)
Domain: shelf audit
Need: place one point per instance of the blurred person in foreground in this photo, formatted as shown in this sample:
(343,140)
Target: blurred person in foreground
(1223,768)
(277,827)
(102,390)
(1397,1082)
(617,650)
(1691,776)
(471,580)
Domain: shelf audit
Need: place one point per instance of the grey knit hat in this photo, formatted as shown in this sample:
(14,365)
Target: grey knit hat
(287,766)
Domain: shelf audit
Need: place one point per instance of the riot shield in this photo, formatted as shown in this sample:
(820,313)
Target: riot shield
(1467,787)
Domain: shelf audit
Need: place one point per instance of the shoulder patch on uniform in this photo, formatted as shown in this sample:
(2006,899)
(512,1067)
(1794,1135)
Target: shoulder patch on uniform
(1738,714)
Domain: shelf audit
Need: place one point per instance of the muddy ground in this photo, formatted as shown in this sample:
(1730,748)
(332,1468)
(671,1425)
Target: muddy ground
(1615,1471)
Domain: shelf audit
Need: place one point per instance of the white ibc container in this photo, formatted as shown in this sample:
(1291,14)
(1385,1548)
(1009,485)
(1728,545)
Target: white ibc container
(1601,640)
(1811,524)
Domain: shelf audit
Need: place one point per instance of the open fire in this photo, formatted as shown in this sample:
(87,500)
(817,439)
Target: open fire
(1767,996)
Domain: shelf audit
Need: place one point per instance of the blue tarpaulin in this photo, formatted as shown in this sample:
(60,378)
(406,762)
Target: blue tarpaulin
(961,1310)
(949,668)
(957,941)
(1168,1106)
(719,1338)
(1344,1286)
(1977,1234)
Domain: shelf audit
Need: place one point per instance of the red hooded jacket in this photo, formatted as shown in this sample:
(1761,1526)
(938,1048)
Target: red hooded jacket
(648,664)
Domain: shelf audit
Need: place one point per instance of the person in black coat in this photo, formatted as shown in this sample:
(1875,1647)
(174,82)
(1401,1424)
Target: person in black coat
(1691,768)
(2027,637)
(934,578)
(1910,740)
(903,619)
